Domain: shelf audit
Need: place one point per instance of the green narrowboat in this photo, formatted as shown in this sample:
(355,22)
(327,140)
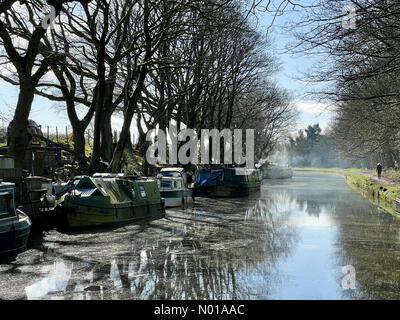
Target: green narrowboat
(105,202)
(226,182)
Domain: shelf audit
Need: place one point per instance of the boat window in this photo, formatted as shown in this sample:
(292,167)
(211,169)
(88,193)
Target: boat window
(5,203)
(133,192)
(170,174)
(166,184)
(143,193)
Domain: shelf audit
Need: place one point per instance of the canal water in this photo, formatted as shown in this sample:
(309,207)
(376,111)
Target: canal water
(311,237)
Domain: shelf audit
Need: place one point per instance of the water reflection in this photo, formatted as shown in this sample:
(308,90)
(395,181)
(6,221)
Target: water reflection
(290,242)
(206,255)
(57,282)
(370,242)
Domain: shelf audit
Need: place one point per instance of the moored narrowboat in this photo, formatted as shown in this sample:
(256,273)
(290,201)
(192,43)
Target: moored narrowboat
(15,225)
(176,187)
(174,192)
(226,182)
(108,201)
(274,171)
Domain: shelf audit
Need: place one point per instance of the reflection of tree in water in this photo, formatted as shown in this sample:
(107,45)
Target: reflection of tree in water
(314,207)
(308,201)
(219,252)
(370,241)
(215,266)
(209,268)
(274,213)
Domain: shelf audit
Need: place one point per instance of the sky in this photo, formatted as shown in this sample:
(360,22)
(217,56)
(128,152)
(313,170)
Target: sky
(290,75)
(293,70)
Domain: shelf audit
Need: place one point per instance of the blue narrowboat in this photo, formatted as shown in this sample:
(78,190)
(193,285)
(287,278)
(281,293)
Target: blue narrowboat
(226,182)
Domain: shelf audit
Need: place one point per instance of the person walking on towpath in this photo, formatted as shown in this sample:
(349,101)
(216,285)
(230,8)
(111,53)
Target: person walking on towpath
(379,169)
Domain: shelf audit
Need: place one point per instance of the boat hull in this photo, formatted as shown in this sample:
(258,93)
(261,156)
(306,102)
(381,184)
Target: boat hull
(86,215)
(226,183)
(107,202)
(226,191)
(14,235)
(277,173)
(177,198)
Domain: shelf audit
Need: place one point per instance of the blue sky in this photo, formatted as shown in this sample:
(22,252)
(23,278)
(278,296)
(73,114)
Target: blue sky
(293,67)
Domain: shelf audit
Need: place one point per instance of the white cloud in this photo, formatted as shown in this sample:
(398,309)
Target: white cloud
(312,112)
(313,107)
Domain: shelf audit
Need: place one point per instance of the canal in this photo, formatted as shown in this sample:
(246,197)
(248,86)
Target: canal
(290,241)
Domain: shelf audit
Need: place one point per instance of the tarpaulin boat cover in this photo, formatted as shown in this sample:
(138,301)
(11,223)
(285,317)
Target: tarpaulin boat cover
(207,177)
(116,189)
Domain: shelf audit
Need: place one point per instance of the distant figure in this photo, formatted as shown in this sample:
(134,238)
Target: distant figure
(379,170)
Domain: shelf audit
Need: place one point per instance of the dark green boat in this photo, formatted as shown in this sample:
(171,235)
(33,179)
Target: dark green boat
(103,202)
(226,182)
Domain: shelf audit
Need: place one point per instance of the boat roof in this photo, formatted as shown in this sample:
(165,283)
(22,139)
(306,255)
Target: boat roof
(172,169)
(6,185)
(240,170)
(119,190)
(170,178)
(245,171)
(108,175)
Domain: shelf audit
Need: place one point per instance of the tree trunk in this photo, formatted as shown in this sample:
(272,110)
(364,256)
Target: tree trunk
(142,144)
(98,123)
(99,113)
(106,144)
(79,142)
(116,163)
(107,139)
(19,137)
(131,108)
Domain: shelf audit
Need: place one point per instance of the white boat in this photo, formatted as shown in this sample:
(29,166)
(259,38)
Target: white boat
(276,172)
(15,226)
(172,183)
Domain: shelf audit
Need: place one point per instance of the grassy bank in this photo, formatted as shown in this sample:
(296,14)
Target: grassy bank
(382,192)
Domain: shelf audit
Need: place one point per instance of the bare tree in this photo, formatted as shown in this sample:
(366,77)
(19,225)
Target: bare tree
(197,62)
(23,55)
(360,40)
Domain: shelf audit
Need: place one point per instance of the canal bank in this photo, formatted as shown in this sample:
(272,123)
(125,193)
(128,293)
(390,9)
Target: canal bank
(384,192)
